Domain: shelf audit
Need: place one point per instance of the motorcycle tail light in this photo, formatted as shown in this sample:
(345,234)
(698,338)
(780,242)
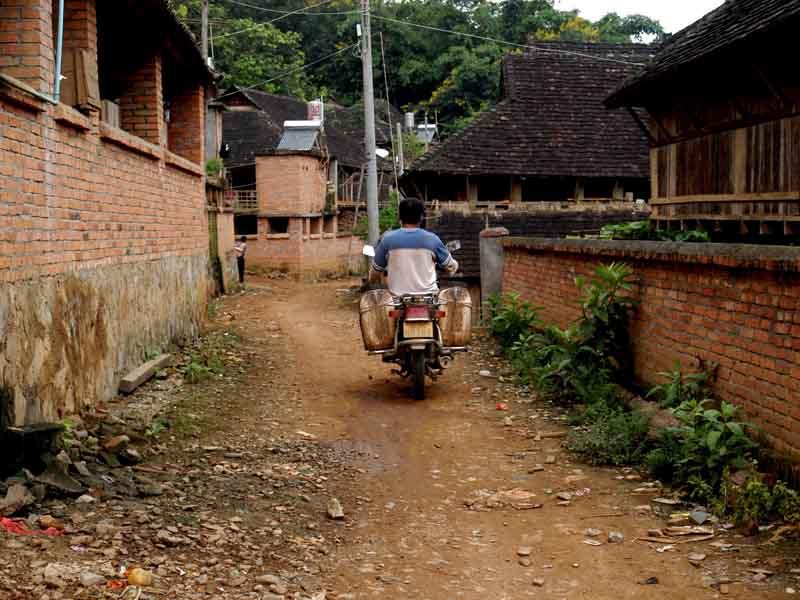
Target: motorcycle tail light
(417,312)
(395,314)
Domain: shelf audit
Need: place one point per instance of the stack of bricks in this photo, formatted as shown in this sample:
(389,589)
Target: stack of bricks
(734,306)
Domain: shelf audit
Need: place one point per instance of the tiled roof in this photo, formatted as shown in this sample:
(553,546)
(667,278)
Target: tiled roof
(734,22)
(253,132)
(551,120)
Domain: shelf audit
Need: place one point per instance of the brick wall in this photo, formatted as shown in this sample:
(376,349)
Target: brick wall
(734,305)
(300,252)
(103,236)
(552,222)
(185,139)
(290,184)
(142,104)
(26,42)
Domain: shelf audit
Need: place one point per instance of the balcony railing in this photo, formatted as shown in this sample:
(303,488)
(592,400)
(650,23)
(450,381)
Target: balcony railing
(243,201)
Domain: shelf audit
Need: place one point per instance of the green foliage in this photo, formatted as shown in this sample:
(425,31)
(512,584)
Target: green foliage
(679,387)
(388,219)
(510,318)
(453,76)
(643,230)
(201,366)
(413,148)
(214,167)
(707,443)
(578,364)
(613,437)
(786,503)
(155,428)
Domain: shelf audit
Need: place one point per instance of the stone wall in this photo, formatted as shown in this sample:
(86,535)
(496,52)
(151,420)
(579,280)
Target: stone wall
(735,306)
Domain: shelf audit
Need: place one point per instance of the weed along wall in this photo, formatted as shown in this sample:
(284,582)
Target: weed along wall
(736,306)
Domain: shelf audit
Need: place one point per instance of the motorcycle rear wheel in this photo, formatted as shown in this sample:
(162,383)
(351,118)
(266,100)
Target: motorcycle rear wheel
(418,373)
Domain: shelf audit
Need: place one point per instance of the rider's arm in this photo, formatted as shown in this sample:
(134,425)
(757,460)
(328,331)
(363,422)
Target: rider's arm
(381,260)
(445,260)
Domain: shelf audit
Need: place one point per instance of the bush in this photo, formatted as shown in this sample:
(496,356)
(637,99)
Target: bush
(708,443)
(614,437)
(643,230)
(679,388)
(214,167)
(388,219)
(511,319)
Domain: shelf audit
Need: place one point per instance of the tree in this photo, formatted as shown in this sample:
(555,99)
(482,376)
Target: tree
(637,28)
(263,57)
(250,53)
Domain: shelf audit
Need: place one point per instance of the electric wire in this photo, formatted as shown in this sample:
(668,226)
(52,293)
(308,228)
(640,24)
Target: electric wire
(506,42)
(284,12)
(283,16)
(290,71)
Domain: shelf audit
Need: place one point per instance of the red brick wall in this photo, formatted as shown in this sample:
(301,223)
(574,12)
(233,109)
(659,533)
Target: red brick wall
(103,236)
(26,42)
(142,105)
(185,138)
(290,184)
(300,252)
(737,306)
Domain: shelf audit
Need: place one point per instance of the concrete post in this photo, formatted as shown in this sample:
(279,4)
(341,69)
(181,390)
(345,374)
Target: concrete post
(491,248)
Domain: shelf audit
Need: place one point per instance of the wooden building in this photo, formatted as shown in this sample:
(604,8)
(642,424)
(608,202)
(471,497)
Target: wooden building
(548,139)
(723,96)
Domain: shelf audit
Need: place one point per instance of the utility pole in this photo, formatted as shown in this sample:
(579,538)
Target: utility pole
(401,167)
(204,32)
(369,126)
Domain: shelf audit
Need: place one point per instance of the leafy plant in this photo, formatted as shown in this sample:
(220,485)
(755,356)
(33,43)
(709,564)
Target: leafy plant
(711,442)
(388,219)
(155,428)
(615,437)
(679,387)
(202,365)
(510,318)
(214,167)
(644,230)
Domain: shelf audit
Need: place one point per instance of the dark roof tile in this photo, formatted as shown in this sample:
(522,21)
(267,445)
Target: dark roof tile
(551,120)
(732,23)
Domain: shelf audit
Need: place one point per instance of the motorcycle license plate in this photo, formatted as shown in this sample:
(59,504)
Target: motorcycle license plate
(418,329)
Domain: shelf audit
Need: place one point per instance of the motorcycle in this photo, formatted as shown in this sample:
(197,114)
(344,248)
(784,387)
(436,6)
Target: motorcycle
(419,333)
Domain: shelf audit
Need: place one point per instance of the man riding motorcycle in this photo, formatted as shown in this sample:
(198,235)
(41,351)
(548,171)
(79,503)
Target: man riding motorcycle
(411,254)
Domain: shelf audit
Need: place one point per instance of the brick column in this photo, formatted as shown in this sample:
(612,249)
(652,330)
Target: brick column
(187,124)
(142,104)
(26,42)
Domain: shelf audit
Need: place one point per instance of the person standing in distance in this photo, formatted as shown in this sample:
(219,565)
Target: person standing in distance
(240,247)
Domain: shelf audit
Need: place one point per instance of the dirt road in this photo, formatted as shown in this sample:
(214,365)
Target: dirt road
(408,532)
(230,499)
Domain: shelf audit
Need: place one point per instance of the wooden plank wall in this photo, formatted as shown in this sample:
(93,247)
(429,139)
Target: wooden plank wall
(760,159)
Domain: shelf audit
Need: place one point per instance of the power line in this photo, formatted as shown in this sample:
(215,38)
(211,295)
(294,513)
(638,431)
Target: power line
(289,72)
(283,16)
(284,12)
(507,43)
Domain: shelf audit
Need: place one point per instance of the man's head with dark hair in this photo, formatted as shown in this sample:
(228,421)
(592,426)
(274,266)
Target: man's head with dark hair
(411,211)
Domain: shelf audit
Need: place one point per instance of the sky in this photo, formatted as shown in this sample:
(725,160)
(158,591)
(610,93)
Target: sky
(673,14)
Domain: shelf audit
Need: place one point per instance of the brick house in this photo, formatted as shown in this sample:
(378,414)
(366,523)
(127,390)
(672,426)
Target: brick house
(104,246)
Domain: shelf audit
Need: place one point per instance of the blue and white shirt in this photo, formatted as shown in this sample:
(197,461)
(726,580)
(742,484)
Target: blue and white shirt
(411,255)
